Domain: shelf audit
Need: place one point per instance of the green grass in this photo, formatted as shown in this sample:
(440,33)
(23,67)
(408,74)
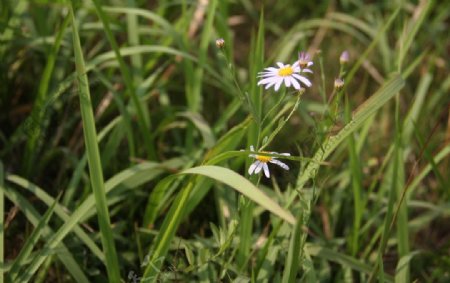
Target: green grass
(125,140)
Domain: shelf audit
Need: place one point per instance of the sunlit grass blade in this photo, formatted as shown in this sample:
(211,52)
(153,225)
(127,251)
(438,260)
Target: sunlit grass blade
(243,186)
(95,166)
(177,210)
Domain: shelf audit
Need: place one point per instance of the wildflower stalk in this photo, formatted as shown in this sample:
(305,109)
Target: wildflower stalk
(277,104)
(283,121)
(243,96)
(322,77)
(246,206)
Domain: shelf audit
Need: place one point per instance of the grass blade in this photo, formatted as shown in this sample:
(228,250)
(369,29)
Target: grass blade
(363,112)
(243,186)
(176,213)
(64,255)
(31,242)
(95,166)
(294,253)
(143,120)
(2,221)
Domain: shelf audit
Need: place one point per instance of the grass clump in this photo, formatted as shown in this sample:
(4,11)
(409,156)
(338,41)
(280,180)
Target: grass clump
(140,141)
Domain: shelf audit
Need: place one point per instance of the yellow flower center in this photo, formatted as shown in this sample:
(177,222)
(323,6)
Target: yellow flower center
(285,71)
(263,159)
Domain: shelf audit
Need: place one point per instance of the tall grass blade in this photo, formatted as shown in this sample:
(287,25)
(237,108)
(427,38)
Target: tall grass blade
(295,250)
(95,166)
(2,222)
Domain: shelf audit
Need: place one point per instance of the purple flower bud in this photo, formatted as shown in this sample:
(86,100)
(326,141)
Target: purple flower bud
(345,57)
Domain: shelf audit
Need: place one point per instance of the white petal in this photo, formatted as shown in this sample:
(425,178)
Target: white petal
(279,163)
(287,81)
(302,79)
(278,84)
(305,81)
(295,83)
(307,71)
(259,167)
(285,154)
(266,81)
(281,65)
(252,148)
(295,65)
(252,167)
(267,75)
(310,63)
(271,84)
(266,170)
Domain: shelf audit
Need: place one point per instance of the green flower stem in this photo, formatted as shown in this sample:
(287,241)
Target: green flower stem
(282,122)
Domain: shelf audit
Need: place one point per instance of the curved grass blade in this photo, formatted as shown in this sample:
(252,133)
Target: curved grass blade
(59,210)
(129,178)
(31,242)
(64,255)
(177,210)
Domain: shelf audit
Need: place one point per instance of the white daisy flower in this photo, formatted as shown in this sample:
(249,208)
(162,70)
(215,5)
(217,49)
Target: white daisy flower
(304,61)
(284,73)
(261,163)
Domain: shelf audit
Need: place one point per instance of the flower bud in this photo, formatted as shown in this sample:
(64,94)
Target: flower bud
(345,57)
(304,60)
(338,83)
(220,42)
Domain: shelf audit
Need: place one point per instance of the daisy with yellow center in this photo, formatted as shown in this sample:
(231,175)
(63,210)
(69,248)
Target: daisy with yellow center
(261,163)
(287,74)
